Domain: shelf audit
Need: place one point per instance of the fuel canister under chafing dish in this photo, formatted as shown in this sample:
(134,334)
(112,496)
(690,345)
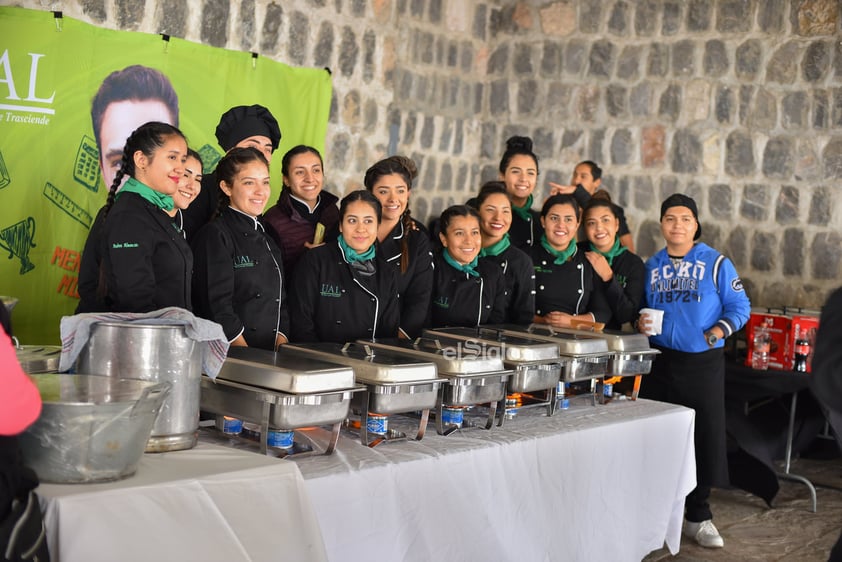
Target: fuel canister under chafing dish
(587,355)
(629,353)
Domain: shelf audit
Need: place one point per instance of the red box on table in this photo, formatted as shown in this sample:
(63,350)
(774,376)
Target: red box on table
(800,323)
(778,325)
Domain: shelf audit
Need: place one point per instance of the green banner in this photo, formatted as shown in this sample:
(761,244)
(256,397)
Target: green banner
(51,179)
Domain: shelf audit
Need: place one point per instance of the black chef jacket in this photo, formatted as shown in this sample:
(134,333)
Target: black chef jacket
(463,300)
(519,275)
(572,287)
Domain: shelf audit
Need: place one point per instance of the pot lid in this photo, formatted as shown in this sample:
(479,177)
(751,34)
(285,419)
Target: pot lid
(38,358)
(516,348)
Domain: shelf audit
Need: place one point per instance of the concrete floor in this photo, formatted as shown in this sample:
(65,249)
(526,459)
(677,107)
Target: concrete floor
(788,531)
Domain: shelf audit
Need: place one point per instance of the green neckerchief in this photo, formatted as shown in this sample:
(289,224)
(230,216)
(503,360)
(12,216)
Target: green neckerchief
(497,248)
(523,212)
(157,198)
(615,251)
(468,268)
(352,255)
(561,256)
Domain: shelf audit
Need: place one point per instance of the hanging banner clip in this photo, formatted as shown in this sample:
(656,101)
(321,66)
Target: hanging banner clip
(58,17)
(166,39)
(254,60)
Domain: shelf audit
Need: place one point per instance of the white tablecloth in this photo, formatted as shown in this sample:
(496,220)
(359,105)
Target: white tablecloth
(591,483)
(209,503)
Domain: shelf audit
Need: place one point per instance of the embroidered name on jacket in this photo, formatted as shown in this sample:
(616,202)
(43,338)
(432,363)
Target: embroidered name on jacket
(242,261)
(329,290)
(686,278)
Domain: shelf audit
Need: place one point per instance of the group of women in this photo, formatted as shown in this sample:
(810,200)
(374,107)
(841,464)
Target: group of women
(308,271)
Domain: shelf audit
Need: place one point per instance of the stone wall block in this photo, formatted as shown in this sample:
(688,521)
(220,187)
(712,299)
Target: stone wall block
(746,96)
(323,51)
(669,106)
(499,97)
(672,17)
(498,62)
(737,247)
(764,251)
(339,151)
(794,110)
(837,60)
(739,154)
(543,141)
(370,114)
(653,147)
(670,185)
(816,17)
(657,63)
(683,63)
(479,28)
(640,99)
(615,100)
(764,113)
(786,209)
(130,13)
(724,104)
(299,35)
(575,53)
(433,11)
(558,99)
(588,102)
(783,65)
(551,58)
(734,15)
(269,33)
(595,145)
(382,10)
(618,19)
(445,181)
(428,131)
(816,61)
(558,18)
(628,63)
(699,15)
(771,15)
(712,235)
(446,135)
(422,89)
(779,158)
(643,193)
(807,165)
(466,58)
(369,47)
(427,171)
(522,62)
(821,204)
(600,60)
(590,16)
(459,137)
(793,251)
(645,17)
(527,95)
(351,108)
(649,239)
(173,21)
(685,152)
(214,27)
(825,253)
(424,51)
(489,143)
(348,52)
(463,181)
(570,138)
(697,100)
(712,153)
(416,8)
(622,147)
(836,111)
(832,158)
(715,60)
(748,58)
(821,109)
(720,201)
(755,203)
(95,9)
(522,16)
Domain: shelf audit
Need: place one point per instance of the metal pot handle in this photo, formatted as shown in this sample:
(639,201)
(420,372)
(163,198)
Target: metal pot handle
(419,342)
(498,334)
(151,393)
(368,351)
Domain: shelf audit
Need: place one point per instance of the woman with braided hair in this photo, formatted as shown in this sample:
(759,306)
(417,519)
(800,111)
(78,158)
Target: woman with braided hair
(146,263)
(403,242)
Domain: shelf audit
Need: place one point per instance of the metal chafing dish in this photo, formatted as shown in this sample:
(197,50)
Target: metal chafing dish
(280,390)
(36,359)
(587,355)
(474,376)
(536,364)
(394,384)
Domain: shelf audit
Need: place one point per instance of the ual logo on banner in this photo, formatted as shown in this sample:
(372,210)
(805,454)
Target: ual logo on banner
(24,111)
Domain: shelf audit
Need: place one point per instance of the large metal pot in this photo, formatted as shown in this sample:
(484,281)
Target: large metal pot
(91,428)
(157,353)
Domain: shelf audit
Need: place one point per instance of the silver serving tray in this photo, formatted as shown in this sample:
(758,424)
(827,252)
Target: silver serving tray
(450,358)
(536,376)
(286,411)
(569,342)
(284,371)
(369,365)
(36,359)
(399,397)
(521,348)
(466,390)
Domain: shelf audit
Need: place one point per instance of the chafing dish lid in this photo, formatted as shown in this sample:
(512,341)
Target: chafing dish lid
(38,358)
(452,358)
(576,343)
(369,364)
(284,371)
(519,348)
(625,342)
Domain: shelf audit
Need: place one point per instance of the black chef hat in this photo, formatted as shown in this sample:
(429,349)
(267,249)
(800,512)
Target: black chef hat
(680,200)
(246,121)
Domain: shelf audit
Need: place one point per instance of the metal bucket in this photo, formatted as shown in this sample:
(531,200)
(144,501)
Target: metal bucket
(158,353)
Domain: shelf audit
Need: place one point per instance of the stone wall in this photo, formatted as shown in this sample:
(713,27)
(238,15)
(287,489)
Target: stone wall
(735,102)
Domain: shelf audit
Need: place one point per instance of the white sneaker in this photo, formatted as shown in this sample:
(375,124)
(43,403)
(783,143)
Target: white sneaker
(704,533)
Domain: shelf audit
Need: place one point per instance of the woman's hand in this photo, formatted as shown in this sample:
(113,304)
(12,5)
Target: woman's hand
(310,245)
(280,340)
(713,335)
(557,189)
(558,319)
(239,342)
(600,265)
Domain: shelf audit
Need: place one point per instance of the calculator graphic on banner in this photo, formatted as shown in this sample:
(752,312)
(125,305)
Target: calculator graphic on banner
(86,166)
(210,157)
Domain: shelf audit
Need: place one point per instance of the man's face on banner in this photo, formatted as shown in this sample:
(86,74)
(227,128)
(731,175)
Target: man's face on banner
(119,121)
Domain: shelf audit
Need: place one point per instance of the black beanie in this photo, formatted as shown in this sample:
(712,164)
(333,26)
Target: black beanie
(680,200)
(246,121)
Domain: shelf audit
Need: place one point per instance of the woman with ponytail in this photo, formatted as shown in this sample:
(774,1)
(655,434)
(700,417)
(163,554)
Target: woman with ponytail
(519,171)
(622,273)
(343,290)
(145,262)
(239,279)
(467,291)
(495,218)
(403,242)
